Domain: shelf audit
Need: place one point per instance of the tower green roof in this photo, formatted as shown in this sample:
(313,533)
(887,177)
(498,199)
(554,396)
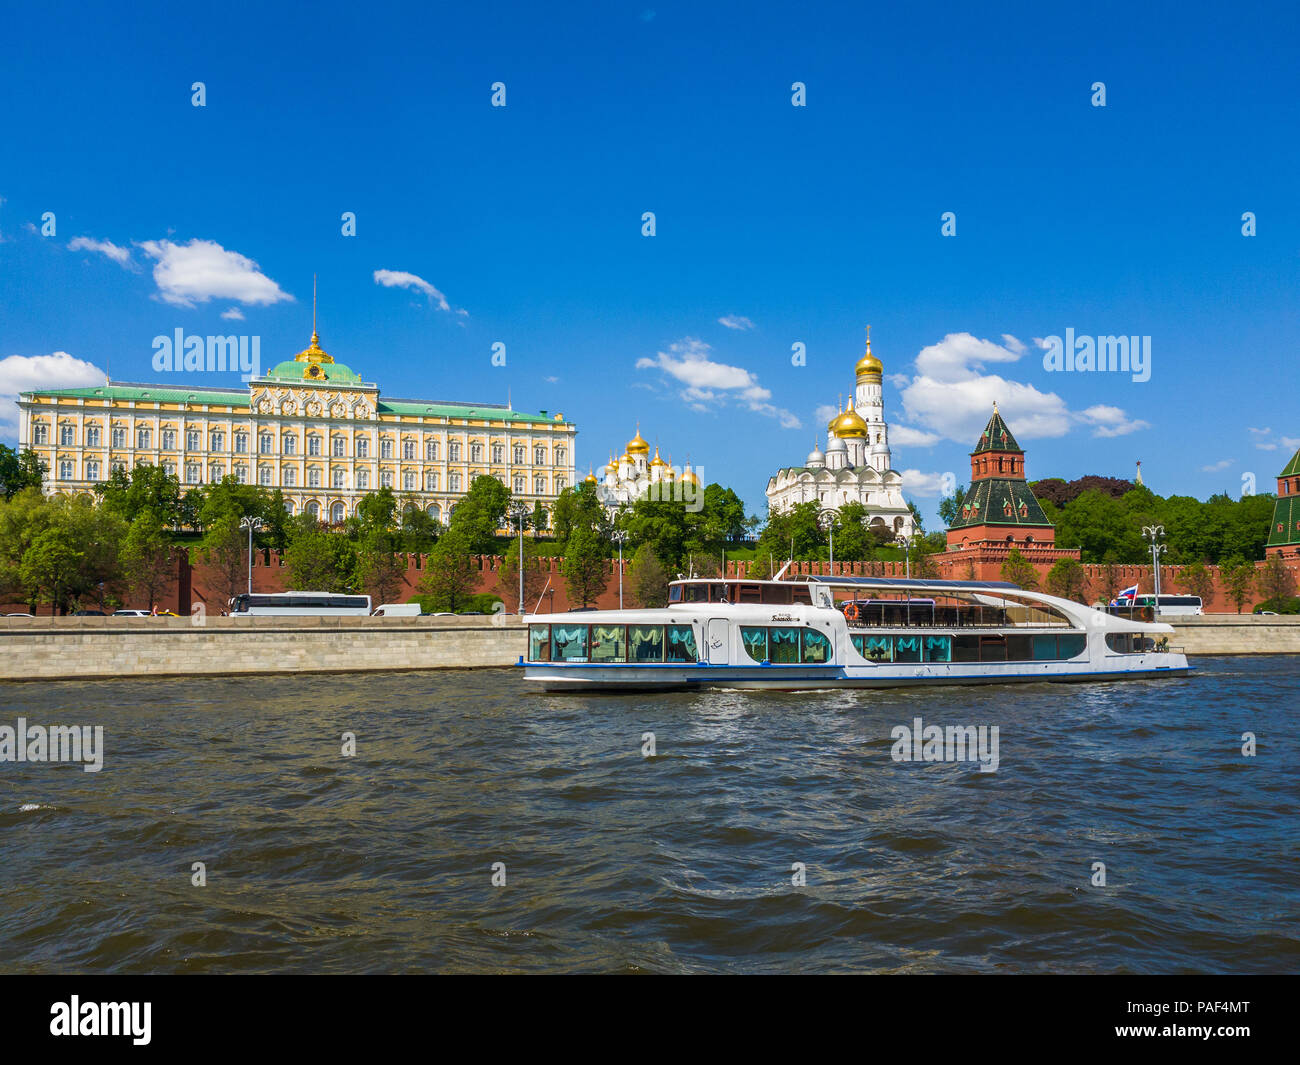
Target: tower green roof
(996,436)
(987,501)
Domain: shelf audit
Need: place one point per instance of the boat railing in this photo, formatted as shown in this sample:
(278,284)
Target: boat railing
(926,616)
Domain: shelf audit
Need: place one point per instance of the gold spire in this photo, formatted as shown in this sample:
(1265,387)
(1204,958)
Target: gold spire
(869,365)
(313,352)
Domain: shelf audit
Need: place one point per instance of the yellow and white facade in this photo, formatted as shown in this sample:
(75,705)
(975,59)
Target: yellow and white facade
(311,428)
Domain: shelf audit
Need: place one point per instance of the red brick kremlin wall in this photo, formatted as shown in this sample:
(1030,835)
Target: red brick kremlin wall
(200,583)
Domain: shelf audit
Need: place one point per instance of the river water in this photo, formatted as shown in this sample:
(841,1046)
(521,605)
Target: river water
(681,862)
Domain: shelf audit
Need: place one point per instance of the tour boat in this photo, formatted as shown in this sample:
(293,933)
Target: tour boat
(842,632)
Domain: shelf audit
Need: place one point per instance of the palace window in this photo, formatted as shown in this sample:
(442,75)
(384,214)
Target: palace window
(385,449)
(264,476)
(539,485)
(519,455)
(519,485)
(363,480)
(217,442)
(65,470)
(66,433)
(40,434)
(290,478)
(408,482)
(559,456)
(498,453)
(408,450)
(169,468)
(560,483)
(241,443)
(290,444)
(385,478)
(363,448)
(337,513)
(168,439)
(338,478)
(313,508)
(431,451)
(476,452)
(431,481)
(191,473)
(119,437)
(216,472)
(265,444)
(118,466)
(313,478)
(241,474)
(92,470)
(313,445)
(453,482)
(453,452)
(539,456)
(143,437)
(192,440)
(340,447)
(92,436)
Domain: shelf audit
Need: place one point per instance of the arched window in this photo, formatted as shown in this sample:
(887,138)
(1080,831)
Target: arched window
(337,513)
(313,508)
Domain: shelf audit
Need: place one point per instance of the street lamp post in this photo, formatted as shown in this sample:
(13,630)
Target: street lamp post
(828,519)
(1154,533)
(619,536)
(519,515)
(252,525)
(906,544)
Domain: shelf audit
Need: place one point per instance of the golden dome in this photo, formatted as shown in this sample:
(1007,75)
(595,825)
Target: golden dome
(689,475)
(849,425)
(657,461)
(312,352)
(638,446)
(590,478)
(869,365)
(612,465)
(626,458)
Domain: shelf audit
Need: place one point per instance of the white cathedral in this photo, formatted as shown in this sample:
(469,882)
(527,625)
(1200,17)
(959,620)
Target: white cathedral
(856,466)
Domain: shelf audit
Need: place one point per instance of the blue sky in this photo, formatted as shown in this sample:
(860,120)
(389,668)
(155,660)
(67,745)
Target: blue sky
(799,224)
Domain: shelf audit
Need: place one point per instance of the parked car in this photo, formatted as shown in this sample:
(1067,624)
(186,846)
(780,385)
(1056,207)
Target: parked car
(89,614)
(395,610)
(20,615)
(131,613)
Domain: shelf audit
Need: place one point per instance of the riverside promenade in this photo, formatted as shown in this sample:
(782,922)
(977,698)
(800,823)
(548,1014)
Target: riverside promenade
(94,648)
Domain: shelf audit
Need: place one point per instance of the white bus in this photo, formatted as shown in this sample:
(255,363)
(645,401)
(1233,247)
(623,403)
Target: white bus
(300,604)
(1171,605)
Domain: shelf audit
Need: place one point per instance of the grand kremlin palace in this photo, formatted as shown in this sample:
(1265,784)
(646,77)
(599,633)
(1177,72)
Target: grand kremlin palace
(310,427)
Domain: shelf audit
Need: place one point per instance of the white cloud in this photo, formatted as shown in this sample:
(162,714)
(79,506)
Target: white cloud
(21,373)
(234,314)
(401,279)
(736,321)
(920,483)
(1265,440)
(954,392)
(825,413)
(906,436)
(203,270)
(551,380)
(708,384)
(119,255)
(1214,467)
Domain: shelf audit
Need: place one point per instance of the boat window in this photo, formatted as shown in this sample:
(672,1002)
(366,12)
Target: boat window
(907,649)
(695,593)
(680,644)
(755,643)
(816,646)
(938,648)
(879,649)
(783,646)
(608,643)
(748,593)
(1129,643)
(1019,648)
(675,593)
(646,643)
(993,648)
(965,648)
(539,643)
(1072,645)
(801,594)
(568,643)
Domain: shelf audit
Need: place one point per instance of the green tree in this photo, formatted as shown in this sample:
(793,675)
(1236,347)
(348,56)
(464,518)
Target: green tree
(146,557)
(381,564)
(1101,527)
(1197,579)
(224,549)
(449,571)
(950,506)
(481,513)
(419,530)
(50,568)
(1275,580)
(647,578)
(320,561)
(579,508)
(1067,580)
(794,532)
(1238,578)
(854,542)
(19,471)
(1019,570)
(145,488)
(585,568)
(661,523)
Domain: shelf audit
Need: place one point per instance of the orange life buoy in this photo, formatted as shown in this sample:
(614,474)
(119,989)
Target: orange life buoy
(852,613)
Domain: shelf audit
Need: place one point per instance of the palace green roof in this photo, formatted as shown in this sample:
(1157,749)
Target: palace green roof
(1286,513)
(1292,467)
(986,501)
(334,373)
(226,397)
(996,437)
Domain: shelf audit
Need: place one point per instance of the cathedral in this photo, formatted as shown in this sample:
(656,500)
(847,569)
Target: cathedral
(856,466)
(628,477)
